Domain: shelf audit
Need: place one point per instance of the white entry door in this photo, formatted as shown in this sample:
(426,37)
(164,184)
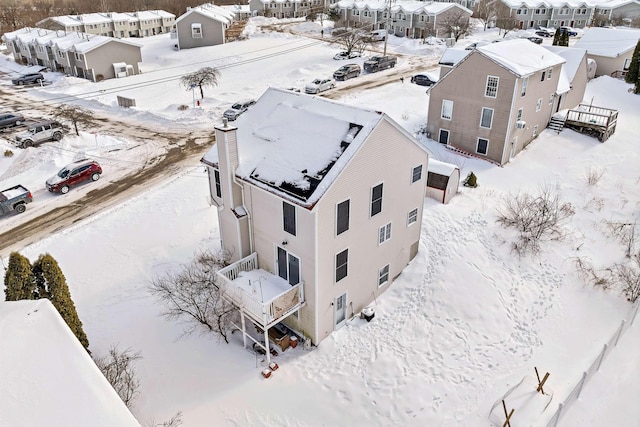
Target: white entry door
(341,310)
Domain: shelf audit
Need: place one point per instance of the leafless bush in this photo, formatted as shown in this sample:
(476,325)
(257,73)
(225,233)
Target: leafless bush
(588,274)
(536,217)
(625,232)
(192,296)
(628,275)
(118,367)
(183,107)
(174,421)
(593,175)
(596,203)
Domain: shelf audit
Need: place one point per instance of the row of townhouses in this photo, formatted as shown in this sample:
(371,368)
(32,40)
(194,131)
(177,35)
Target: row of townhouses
(113,24)
(88,56)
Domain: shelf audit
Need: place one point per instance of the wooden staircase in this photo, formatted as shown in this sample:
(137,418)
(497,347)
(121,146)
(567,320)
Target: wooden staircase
(234,32)
(557,123)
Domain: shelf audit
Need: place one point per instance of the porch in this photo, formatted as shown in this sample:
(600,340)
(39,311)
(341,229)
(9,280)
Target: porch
(598,122)
(264,298)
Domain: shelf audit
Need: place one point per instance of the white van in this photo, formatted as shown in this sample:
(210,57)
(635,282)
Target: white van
(378,35)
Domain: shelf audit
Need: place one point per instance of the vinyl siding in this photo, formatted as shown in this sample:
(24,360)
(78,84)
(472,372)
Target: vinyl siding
(212,31)
(101,59)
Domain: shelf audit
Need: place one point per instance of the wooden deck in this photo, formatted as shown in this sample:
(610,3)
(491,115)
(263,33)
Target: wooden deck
(598,122)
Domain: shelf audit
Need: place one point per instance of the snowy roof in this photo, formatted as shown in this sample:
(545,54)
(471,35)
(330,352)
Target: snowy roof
(237,8)
(549,3)
(609,42)
(69,40)
(95,41)
(120,17)
(452,56)
(94,18)
(441,168)
(212,11)
(163,13)
(520,56)
(431,8)
(573,57)
(48,378)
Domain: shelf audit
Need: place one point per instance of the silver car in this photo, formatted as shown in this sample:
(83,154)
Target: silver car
(237,109)
(320,85)
(40,132)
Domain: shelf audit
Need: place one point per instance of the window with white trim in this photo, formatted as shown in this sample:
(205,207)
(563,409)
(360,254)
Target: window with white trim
(486,118)
(289,218)
(491,89)
(383,275)
(384,233)
(482,146)
(412,217)
(551,99)
(376,200)
(549,71)
(196,31)
(519,117)
(525,83)
(539,104)
(544,74)
(447,109)
(216,179)
(342,262)
(416,174)
(342,217)
(535,131)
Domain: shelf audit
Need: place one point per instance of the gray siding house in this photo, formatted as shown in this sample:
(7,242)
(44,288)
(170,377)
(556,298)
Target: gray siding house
(309,210)
(496,100)
(96,60)
(611,48)
(204,25)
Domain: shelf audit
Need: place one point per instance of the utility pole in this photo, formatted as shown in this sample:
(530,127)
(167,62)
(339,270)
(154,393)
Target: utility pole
(386,36)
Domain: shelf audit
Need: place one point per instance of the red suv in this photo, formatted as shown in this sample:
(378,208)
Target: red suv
(73,174)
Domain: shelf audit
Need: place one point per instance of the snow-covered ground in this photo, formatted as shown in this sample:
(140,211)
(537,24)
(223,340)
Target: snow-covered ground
(467,320)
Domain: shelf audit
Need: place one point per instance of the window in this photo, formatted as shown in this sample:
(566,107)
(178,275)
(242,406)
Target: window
(289,218)
(342,217)
(519,115)
(487,118)
(539,104)
(412,217)
(525,83)
(416,175)
(535,131)
(492,87)
(544,74)
(627,63)
(342,261)
(384,233)
(550,99)
(288,267)
(483,145)
(447,109)
(376,200)
(383,275)
(196,31)
(549,73)
(216,178)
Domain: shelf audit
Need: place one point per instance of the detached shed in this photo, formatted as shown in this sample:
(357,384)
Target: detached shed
(443,180)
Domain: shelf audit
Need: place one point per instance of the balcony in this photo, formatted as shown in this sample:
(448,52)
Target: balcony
(262,296)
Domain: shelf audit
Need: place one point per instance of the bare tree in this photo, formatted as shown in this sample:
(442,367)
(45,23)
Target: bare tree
(620,19)
(629,277)
(504,21)
(535,217)
(484,11)
(204,77)
(118,367)
(625,232)
(76,115)
(13,15)
(174,421)
(457,24)
(318,13)
(352,40)
(192,295)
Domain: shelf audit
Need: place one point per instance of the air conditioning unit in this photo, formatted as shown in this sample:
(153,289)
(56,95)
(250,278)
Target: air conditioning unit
(521,124)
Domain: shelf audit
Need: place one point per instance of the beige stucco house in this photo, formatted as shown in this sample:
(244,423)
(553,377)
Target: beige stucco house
(496,100)
(319,205)
(204,25)
(611,48)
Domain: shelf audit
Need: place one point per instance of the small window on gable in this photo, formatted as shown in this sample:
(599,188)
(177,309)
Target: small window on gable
(491,90)
(416,174)
(216,177)
(544,74)
(549,73)
(196,31)
(289,218)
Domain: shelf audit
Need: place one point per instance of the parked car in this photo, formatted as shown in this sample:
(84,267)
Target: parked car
(545,32)
(378,35)
(422,80)
(347,71)
(73,174)
(29,78)
(320,85)
(346,55)
(8,120)
(238,108)
(14,199)
(377,63)
(569,30)
(49,130)
(535,39)
(475,45)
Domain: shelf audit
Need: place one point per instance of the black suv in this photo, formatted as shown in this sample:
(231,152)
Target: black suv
(28,79)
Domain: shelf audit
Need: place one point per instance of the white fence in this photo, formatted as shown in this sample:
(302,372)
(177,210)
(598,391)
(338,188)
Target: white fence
(595,366)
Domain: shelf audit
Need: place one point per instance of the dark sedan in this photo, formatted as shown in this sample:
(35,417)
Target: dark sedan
(8,120)
(422,80)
